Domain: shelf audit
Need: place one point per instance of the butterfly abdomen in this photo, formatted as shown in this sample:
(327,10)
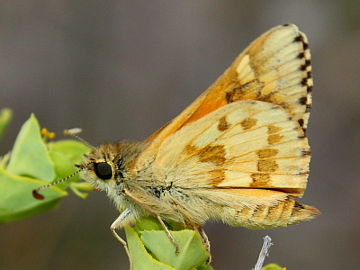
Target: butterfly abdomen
(281,214)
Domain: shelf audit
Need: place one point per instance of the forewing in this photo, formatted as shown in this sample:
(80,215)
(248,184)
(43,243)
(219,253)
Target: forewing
(246,144)
(275,68)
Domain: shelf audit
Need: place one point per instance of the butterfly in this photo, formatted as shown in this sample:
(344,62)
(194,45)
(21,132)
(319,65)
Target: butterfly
(238,154)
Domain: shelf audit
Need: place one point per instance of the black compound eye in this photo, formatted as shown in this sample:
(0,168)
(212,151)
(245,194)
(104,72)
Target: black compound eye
(103,170)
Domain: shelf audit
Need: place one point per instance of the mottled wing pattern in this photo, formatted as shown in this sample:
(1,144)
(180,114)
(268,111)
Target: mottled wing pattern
(275,68)
(246,144)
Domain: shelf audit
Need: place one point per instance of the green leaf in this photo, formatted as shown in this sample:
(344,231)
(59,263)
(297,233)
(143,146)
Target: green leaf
(32,164)
(5,118)
(17,201)
(29,156)
(140,258)
(64,155)
(73,150)
(148,224)
(192,252)
(272,266)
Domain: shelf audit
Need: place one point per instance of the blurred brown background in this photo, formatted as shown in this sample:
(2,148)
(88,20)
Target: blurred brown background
(121,69)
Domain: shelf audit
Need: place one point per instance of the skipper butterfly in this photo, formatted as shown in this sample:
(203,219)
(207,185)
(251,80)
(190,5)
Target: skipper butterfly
(238,154)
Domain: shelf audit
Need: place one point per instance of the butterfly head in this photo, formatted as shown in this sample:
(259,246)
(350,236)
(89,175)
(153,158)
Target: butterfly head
(104,167)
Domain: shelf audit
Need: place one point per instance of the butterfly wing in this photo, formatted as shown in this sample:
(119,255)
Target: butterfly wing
(239,164)
(275,68)
(241,145)
(246,144)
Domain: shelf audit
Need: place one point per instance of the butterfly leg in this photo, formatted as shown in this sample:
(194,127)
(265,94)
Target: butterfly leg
(120,222)
(168,233)
(205,239)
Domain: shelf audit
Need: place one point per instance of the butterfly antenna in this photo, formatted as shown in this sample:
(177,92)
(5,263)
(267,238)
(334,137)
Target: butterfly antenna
(36,192)
(73,132)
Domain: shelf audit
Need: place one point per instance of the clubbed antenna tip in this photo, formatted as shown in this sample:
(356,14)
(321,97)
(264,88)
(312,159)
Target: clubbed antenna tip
(37,195)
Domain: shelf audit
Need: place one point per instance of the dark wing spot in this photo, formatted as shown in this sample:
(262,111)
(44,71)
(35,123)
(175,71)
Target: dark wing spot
(299,38)
(249,90)
(215,154)
(275,138)
(301,122)
(304,81)
(274,129)
(306,152)
(217,176)
(223,124)
(301,55)
(266,153)
(260,179)
(267,165)
(248,123)
(303,100)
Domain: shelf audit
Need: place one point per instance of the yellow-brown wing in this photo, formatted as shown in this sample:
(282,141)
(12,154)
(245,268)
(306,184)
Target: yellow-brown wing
(275,68)
(246,144)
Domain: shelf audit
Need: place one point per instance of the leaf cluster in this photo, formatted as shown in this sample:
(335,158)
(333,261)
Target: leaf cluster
(34,162)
